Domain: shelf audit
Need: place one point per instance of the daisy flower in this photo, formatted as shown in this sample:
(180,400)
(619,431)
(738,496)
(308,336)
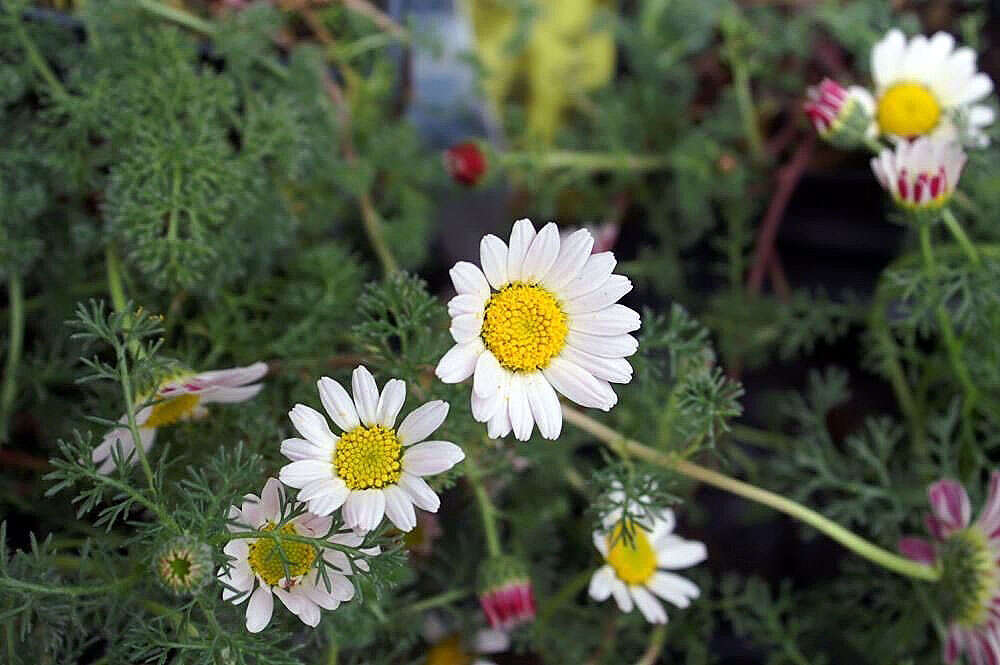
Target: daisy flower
(925,86)
(506,594)
(258,572)
(178,398)
(842,116)
(920,175)
(373,468)
(633,575)
(540,317)
(969,555)
(448,647)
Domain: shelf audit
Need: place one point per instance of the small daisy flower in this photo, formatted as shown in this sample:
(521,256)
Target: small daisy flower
(448,647)
(842,116)
(969,556)
(541,317)
(925,86)
(506,593)
(183,565)
(632,574)
(373,468)
(920,175)
(258,572)
(178,398)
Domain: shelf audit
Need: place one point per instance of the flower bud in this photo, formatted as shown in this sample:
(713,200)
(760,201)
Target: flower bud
(505,592)
(844,117)
(922,175)
(183,565)
(465,162)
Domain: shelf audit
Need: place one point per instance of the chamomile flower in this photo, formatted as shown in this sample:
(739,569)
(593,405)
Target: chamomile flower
(373,468)
(179,397)
(842,116)
(927,86)
(447,646)
(541,317)
(921,175)
(258,570)
(632,572)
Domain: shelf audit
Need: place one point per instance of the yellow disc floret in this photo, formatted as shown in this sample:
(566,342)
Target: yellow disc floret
(266,561)
(524,327)
(448,651)
(169,411)
(634,562)
(368,457)
(908,109)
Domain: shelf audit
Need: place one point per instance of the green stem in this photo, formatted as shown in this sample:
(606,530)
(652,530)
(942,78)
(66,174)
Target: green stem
(585,161)
(760,437)
(486,507)
(178,16)
(376,235)
(848,539)
(657,639)
(563,596)
(114,269)
(52,590)
(748,111)
(963,240)
(38,62)
(446,598)
(15,292)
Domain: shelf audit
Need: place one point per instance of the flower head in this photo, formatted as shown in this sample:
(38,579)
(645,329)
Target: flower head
(373,468)
(632,570)
(924,86)
(259,569)
(842,116)
(183,565)
(505,592)
(968,554)
(540,317)
(177,398)
(465,162)
(447,646)
(920,175)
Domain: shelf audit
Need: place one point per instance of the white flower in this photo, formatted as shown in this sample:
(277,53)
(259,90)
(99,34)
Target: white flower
(633,574)
(540,317)
(921,175)
(179,397)
(373,468)
(448,647)
(257,571)
(925,86)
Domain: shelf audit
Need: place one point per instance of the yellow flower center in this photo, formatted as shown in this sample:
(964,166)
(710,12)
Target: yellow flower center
(633,564)
(368,457)
(524,327)
(908,109)
(448,651)
(169,411)
(266,560)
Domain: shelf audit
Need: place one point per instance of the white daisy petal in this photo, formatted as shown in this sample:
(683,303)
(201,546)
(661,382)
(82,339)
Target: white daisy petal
(521,420)
(499,425)
(887,57)
(399,508)
(460,362)
(678,553)
(488,640)
(326,503)
(466,328)
(541,254)
(648,605)
(521,237)
(422,422)
(595,272)
(467,278)
(579,385)
(420,492)
(611,292)
(338,404)
(613,320)
(271,498)
(300,449)
(601,539)
(601,583)
(613,370)
(311,424)
(390,402)
(573,254)
(544,404)
(493,256)
(613,346)
(365,392)
(301,473)
(622,596)
(431,457)
(489,376)
(673,588)
(230,395)
(980,86)
(466,303)
(364,509)
(259,610)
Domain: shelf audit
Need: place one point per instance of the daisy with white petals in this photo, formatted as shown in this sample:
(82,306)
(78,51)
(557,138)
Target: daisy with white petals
(925,86)
(633,575)
(180,397)
(541,317)
(920,175)
(373,468)
(258,571)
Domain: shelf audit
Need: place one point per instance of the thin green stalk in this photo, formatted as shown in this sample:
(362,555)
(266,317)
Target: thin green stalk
(446,598)
(15,291)
(748,111)
(178,16)
(54,590)
(760,437)
(562,596)
(376,234)
(585,161)
(113,266)
(486,507)
(963,240)
(657,639)
(848,539)
(38,62)
(126,385)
